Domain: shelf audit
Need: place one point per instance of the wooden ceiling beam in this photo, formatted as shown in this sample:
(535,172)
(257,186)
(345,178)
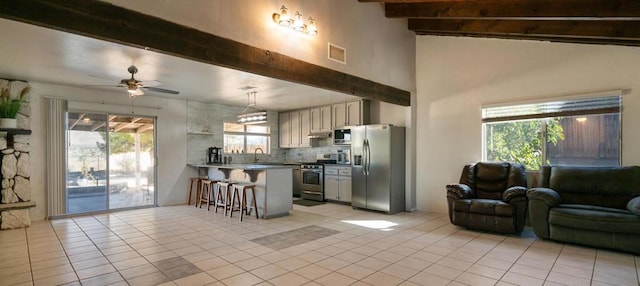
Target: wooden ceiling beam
(622,32)
(104,21)
(518,9)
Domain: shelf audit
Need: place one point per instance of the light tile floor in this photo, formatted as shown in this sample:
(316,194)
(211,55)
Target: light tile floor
(183,245)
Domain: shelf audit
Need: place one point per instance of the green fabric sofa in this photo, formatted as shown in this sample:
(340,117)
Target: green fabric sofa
(594,206)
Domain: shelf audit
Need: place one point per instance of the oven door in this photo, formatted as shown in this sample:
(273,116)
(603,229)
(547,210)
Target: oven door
(311,177)
(312,188)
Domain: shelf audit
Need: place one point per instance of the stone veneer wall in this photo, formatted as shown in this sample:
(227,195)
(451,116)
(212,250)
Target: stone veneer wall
(16,167)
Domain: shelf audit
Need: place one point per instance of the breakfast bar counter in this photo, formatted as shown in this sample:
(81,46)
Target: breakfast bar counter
(274,184)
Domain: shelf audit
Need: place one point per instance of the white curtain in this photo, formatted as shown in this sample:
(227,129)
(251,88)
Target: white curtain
(56,156)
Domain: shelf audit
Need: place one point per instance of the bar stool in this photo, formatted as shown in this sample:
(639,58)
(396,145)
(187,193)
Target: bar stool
(241,189)
(222,196)
(205,192)
(195,180)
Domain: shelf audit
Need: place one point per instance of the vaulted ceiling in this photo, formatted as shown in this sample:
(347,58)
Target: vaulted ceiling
(614,22)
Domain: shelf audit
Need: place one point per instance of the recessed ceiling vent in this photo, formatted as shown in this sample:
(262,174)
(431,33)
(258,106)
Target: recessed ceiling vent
(337,53)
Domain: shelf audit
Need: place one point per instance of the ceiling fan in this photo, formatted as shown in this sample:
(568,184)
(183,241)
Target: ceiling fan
(135,87)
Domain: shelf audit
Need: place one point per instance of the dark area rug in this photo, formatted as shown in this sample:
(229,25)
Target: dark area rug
(307,203)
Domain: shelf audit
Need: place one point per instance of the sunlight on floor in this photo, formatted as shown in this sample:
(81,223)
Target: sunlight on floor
(375,224)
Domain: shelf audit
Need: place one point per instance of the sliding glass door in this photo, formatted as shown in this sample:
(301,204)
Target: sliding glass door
(110,162)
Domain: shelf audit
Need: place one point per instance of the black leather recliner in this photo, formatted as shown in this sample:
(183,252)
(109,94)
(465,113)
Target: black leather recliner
(491,196)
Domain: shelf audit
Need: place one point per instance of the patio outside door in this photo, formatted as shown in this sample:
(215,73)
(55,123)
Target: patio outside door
(110,162)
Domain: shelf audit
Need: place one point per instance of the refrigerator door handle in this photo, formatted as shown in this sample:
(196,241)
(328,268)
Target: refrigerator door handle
(364,157)
(368,158)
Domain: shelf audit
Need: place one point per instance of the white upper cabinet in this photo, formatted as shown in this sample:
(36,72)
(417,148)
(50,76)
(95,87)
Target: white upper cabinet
(339,113)
(284,129)
(294,119)
(353,113)
(321,119)
(305,128)
(349,114)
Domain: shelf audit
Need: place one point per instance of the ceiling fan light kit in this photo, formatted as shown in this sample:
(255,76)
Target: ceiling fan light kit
(135,87)
(251,114)
(296,23)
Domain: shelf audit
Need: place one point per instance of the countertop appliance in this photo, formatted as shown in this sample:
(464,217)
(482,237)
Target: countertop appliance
(214,155)
(342,136)
(344,157)
(378,171)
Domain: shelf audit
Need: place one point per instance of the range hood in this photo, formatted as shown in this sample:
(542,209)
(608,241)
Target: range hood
(319,135)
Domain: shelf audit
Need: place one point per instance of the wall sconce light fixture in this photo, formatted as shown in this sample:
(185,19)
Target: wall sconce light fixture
(296,23)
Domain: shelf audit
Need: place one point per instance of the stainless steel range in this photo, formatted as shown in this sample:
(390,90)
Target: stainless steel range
(312,187)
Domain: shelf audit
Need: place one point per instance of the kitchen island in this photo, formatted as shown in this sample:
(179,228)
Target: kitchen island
(274,184)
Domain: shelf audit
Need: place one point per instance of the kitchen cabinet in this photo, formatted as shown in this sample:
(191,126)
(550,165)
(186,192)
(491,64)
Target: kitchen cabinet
(337,183)
(294,129)
(321,119)
(350,114)
(305,128)
(284,129)
(294,122)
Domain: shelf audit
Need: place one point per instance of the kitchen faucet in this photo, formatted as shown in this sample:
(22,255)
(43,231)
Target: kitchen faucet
(255,154)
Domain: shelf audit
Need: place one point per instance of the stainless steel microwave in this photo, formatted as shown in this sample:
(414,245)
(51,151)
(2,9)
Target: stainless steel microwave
(342,136)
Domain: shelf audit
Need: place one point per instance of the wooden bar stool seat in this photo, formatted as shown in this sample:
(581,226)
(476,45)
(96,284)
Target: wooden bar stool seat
(245,208)
(193,191)
(222,196)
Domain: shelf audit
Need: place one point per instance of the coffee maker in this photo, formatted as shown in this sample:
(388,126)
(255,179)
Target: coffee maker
(214,155)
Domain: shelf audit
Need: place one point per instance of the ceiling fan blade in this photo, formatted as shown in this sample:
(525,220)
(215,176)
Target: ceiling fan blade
(103,85)
(149,83)
(157,89)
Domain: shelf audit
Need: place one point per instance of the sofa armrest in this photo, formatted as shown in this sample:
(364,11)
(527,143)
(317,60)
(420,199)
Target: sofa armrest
(548,196)
(459,191)
(516,192)
(541,200)
(634,205)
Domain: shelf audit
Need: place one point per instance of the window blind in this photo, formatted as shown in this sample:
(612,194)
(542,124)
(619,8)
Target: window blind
(599,105)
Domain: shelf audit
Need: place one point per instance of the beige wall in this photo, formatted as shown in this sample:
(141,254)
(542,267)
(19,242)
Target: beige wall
(455,76)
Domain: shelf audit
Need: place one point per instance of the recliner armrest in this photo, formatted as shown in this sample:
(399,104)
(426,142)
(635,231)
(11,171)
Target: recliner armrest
(634,205)
(550,197)
(459,191)
(514,192)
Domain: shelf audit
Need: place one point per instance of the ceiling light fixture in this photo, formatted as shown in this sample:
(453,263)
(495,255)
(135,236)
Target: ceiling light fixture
(251,114)
(296,23)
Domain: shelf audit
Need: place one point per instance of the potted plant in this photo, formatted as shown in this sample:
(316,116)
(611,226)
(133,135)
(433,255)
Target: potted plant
(9,106)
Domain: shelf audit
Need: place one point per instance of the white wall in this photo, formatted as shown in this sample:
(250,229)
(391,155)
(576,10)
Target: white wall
(173,172)
(455,76)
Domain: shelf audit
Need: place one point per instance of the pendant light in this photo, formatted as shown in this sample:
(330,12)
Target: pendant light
(251,114)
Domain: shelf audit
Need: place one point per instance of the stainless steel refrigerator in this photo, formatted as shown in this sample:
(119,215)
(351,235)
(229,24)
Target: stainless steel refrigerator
(378,171)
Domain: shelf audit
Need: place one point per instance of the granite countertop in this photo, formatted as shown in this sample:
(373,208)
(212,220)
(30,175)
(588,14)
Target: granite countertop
(250,166)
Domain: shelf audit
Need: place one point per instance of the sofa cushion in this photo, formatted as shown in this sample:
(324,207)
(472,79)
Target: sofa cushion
(491,179)
(595,218)
(483,206)
(609,187)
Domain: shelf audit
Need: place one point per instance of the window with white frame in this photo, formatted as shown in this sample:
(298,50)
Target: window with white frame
(240,138)
(579,132)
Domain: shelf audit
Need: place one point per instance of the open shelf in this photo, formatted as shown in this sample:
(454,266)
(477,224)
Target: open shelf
(15,131)
(199,133)
(9,132)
